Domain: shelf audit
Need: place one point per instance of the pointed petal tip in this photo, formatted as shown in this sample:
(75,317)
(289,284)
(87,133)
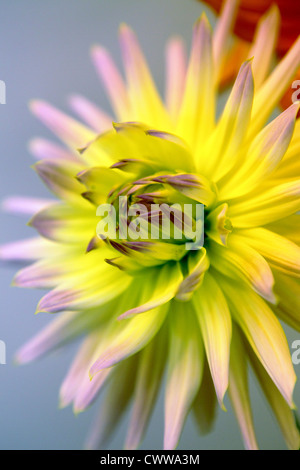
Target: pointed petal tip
(222,406)
(126,315)
(17,360)
(274,14)
(14,282)
(62,402)
(97,50)
(124,28)
(22,357)
(77,411)
(170,443)
(36,105)
(202,20)
(175,40)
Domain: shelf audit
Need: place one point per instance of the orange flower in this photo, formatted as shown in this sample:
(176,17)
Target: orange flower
(250,11)
(248,16)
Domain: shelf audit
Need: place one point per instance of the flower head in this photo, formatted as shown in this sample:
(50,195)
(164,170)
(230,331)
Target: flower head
(161,304)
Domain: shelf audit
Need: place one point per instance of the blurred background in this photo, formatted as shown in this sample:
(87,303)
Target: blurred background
(44,54)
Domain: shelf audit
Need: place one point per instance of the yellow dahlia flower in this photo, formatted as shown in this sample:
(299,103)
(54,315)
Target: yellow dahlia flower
(150,309)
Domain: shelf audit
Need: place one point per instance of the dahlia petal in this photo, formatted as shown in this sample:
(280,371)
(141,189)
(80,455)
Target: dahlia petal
(24,205)
(149,375)
(197,113)
(70,131)
(273,88)
(51,222)
(222,151)
(269,206)
(62,329)
(113,82)
(289,167)
(288,289)
(24,250)
(265,335)
(170,151)
(288,227)
(193,187)
(175,75)
(60,180)
(204,406)
(198,264)
(164,283)
(185,367)
(282,411)
(239,391)
(215,324)
(132,335)
(264,44)
(241,262)
(119,393)
(39,275)
(134,141)
(264,155)
(78,369)
(100,179)
(85,290)
(281,253)
(144,98)
(154,253)
(43,149)
(97,119)
(89,389)
(221,34)
(219,224)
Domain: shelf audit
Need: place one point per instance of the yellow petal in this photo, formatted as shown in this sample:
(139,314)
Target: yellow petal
(145,101)
(270,205)
(273,88)
(215,324)
(222,150)
(264,44)
(279,251)
(264,334)
(197,113)
(241,262)
(185,366)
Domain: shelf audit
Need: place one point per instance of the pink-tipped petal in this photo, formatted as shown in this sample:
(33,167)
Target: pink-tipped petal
(239,391)
(62,329)
(175,75)
(118,395)
(78,370)
(222,32)
(215,324)
(91,114)
(43,149)
(112,81)
(70,131)
(24,205)
(185,367)
(131,336)
(146,103)
(23,250)
(197,114)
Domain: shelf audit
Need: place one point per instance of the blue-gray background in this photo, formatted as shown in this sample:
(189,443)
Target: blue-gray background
(44,53)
